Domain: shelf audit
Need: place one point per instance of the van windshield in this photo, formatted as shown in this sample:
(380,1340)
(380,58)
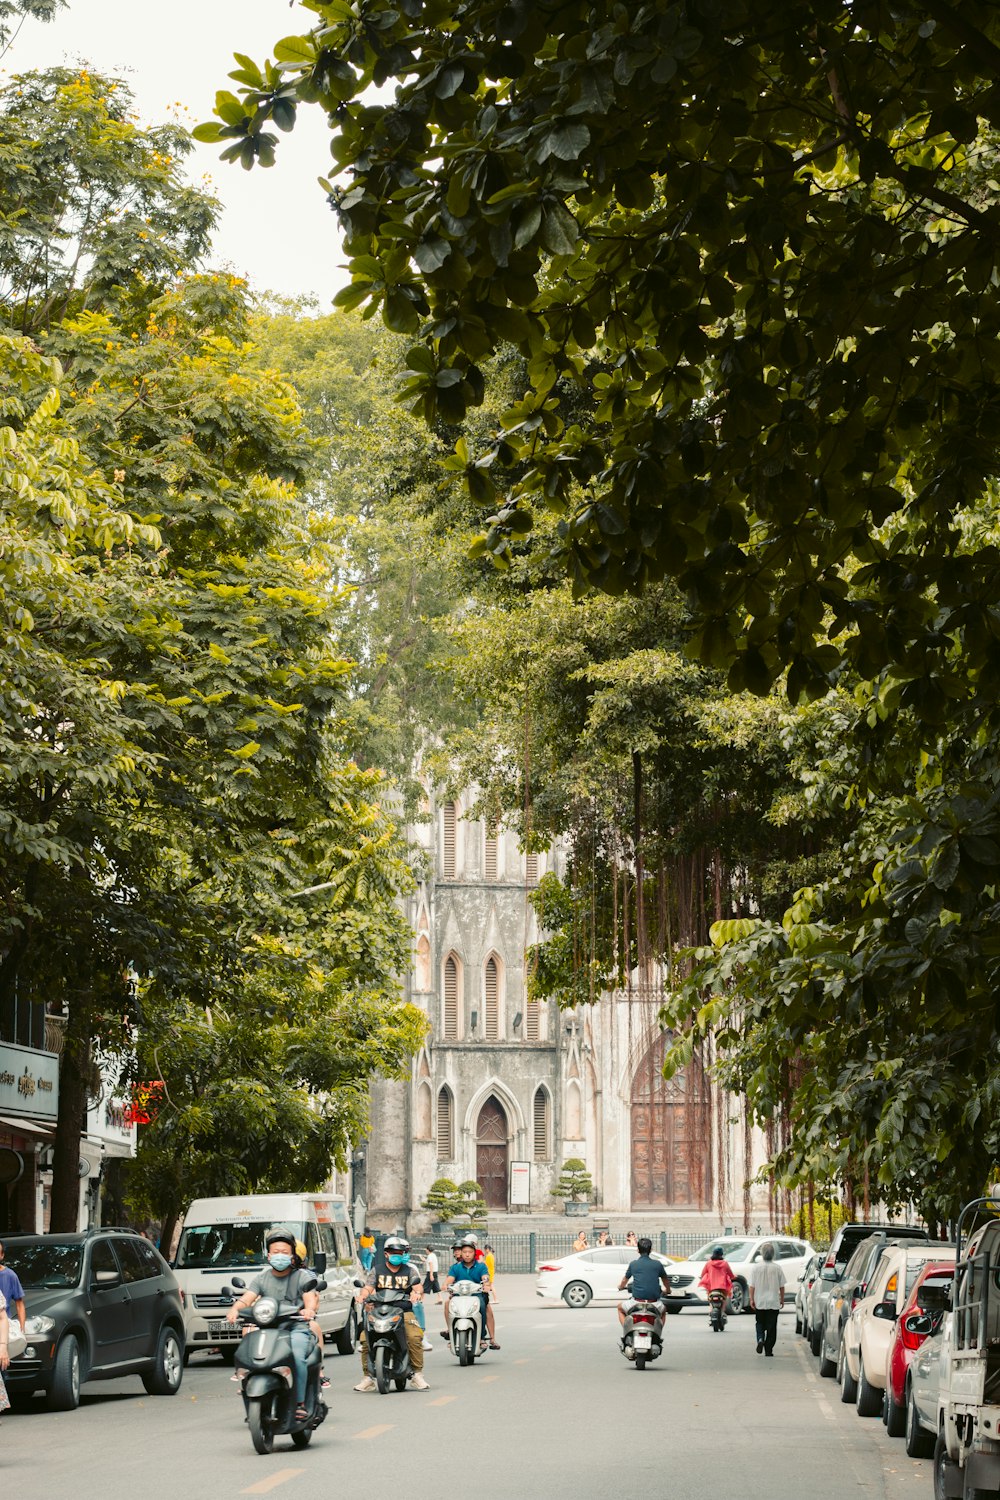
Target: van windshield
(224,1247)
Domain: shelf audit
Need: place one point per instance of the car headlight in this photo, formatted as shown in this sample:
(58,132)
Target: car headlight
(38,1326)
(265,1310)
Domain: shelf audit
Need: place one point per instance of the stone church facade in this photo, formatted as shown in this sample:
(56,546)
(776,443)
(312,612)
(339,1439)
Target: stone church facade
(503,1081)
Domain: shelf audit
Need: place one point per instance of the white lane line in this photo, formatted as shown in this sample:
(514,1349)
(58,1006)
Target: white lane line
(264,1486)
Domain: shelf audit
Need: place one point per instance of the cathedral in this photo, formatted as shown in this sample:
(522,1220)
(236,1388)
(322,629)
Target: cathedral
(505,1090)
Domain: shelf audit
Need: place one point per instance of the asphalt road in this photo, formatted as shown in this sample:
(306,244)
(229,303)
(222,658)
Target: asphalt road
(556,1413)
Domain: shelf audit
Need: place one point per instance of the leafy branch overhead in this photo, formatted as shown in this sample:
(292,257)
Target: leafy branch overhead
(761,237)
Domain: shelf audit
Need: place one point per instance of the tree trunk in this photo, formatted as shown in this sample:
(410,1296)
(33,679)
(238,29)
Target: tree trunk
(167,1230)
(74,1067)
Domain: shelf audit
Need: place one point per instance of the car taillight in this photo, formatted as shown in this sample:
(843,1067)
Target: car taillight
(829,1263)
(548,1268)
(908,1339)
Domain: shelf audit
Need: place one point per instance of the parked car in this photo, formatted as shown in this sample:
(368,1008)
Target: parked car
(871,1322)
(923,1383)
(803,1290)
(923,1310)
(848,1290)
(967,1446)
(100,1305)
(791,1254)
(843,1245)
(586,1274)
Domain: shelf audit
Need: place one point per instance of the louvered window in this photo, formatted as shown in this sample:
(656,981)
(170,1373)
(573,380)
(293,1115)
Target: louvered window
(540,1123)
(445,1133)
(490,863)
(451,1000)
(491,1000)
(531,1021)
(448,861)
(531,869)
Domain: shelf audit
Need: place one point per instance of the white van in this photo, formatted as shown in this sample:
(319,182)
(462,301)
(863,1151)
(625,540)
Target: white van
(224,1237)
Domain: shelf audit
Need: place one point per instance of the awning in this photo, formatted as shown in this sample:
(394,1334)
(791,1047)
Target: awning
(28,1127)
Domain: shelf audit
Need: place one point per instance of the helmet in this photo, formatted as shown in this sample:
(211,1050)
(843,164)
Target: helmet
(718,1253)
(300,1250)
(645,1245)
(468,1242)
(396,1245)
(284,1234)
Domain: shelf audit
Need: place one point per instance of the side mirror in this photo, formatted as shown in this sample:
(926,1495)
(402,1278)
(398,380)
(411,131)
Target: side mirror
(921,1324)
(238,1281)
(105,1279)
(885,1310)
(357,1281)
(829,1273)
(309,1284)
(321,1285)
(319,1263)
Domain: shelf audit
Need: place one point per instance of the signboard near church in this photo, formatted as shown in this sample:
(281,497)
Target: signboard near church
(520,1184)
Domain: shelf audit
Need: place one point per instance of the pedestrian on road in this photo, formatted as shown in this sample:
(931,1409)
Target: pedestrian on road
(366,1248)
(767,1297)
(11,1289)
(4,1355)
(490,1262)
(580,1243)
(432,1282)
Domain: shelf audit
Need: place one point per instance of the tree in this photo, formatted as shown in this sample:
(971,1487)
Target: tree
(14,12)
(762,239)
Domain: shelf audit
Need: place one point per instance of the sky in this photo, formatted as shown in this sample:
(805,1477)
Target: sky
(276,227)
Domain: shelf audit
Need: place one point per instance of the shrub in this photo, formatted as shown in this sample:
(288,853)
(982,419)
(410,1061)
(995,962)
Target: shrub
(574,1181)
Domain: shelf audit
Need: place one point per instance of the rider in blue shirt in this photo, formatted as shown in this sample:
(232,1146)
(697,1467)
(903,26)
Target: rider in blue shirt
(468,1268)
(650,1278)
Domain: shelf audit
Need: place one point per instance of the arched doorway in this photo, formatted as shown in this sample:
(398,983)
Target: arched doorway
(671,1135)
(491,1153)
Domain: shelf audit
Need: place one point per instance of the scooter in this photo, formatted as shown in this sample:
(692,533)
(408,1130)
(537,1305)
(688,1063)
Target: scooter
(642,1336)
(382,1316)
(717,1311)
(466,1322)
(264,1360)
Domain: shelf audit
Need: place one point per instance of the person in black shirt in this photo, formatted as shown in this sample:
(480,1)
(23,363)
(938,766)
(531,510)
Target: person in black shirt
(647,1276)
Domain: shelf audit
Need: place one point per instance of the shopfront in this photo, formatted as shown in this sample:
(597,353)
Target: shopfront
(29,1106)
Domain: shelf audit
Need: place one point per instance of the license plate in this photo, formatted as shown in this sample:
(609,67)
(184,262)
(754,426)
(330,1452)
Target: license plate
(221,1330)
(643,1341)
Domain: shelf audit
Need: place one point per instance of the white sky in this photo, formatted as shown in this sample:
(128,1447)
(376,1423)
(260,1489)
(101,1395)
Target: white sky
(275,227)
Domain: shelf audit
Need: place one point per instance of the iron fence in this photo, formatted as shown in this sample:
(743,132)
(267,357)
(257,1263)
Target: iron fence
(524,1253)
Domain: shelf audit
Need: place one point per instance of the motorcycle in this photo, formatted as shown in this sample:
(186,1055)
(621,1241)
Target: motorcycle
(717,1311)
(264,1361)
(467,1332)
(642,1336)
(382,1317)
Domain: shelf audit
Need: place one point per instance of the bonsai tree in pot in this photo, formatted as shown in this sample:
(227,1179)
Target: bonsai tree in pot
(574,1186)
(443,1201)
(473,1202)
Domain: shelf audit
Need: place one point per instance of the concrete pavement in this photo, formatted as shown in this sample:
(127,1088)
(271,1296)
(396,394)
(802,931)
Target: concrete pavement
(556,1413)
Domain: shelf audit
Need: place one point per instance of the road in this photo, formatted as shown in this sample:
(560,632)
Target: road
(556,1413)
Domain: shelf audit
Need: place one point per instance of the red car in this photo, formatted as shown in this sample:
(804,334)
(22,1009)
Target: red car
(930,1294)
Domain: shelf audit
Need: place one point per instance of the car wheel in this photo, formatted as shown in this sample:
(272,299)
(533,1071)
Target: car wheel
(798,1323)
(827,1366)
(302,1438)
(673,1312)
(164,1379)
(848,1384)
(942,1467)
(816,1341)
(919,1442)
(577,1294)
(868,1397)
(895,1417)
(67,1373)
(344,1341)
(738,1299)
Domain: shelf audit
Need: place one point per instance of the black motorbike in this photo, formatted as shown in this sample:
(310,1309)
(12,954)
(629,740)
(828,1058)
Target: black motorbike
(264,1360)
(382,1318)
(717,1311)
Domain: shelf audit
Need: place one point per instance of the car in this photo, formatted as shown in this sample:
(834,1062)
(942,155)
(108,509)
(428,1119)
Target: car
(849,1289)
(100,1305)
(930,1298)
(846,1239)
(586,1274)
(872,1320)
(923,1386)
(803,1289)
(791,1254)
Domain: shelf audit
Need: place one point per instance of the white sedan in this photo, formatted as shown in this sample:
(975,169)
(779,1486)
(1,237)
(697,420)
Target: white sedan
(580,1277)
(791,1255)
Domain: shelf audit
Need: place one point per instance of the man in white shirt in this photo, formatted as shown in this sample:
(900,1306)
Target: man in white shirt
(767,1298)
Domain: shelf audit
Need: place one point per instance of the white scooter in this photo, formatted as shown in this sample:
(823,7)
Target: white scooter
(466,1322)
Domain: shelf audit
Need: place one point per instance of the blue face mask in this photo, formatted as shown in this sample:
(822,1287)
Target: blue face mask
(280,1262)
(395,1260)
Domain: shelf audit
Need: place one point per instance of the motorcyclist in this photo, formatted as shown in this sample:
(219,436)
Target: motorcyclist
(468,1268)
(718,1273)
(647,1276)
(399,1275)
(283,1281)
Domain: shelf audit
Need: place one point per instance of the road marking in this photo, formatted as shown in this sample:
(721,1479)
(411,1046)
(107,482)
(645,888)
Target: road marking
(441,1401)
(547,1348)
(372,1432)
(522,1361)
(485,1379)
(272,1481)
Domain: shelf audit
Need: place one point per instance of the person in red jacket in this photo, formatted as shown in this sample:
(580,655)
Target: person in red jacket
(718,1273)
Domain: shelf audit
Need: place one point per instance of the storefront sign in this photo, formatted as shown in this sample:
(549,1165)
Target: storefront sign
(109,1119)
(520,1183)
(29,1082)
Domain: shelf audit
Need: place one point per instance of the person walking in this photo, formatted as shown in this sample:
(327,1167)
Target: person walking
(432,1277)
(767,1297)
(11,1289)
(366,1249)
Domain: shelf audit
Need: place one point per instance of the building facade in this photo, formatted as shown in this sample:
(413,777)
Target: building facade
(506,1088)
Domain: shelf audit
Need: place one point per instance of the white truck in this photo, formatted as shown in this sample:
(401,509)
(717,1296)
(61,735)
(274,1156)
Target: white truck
(223,1237)
(967,1450)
